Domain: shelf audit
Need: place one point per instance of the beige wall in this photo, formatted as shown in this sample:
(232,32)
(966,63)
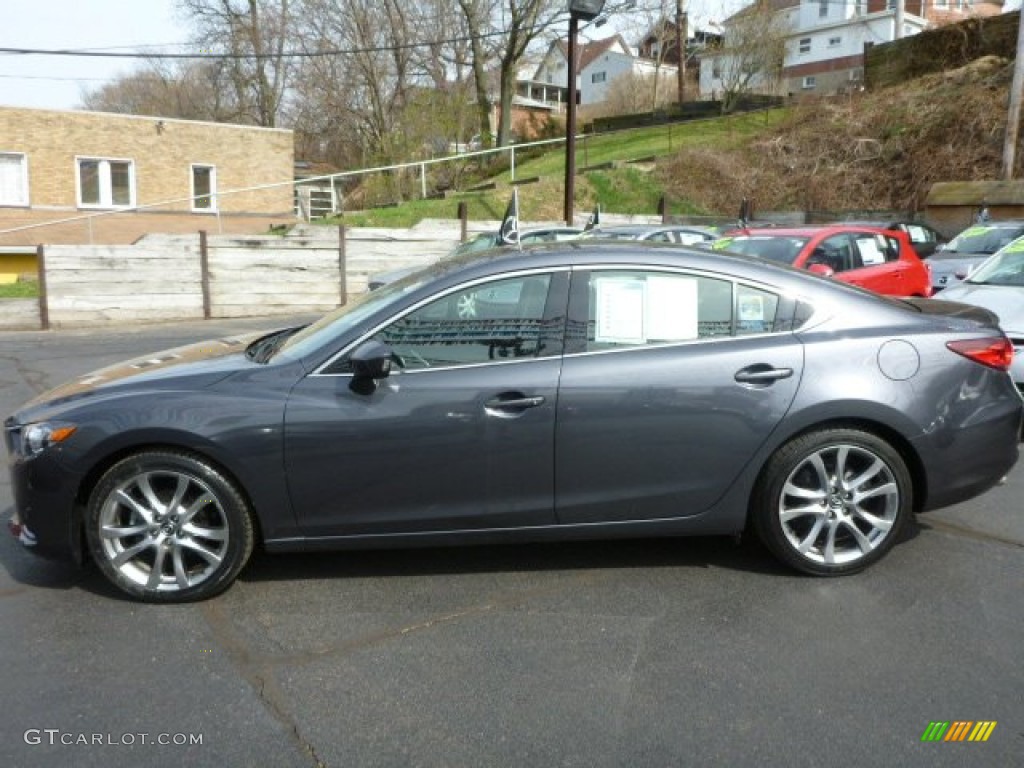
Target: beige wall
(162,150)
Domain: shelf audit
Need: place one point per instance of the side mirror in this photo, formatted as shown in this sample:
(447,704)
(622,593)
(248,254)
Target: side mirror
(963,273)
(371,361)
(821,269)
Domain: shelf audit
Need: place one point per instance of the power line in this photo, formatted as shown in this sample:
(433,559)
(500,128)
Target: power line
(204,55)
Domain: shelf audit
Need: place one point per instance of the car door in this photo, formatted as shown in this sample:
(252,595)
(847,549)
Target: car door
(459,436)
(876,264)
(670,383)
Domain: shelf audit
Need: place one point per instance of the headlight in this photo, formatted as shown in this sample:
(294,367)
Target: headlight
(36,438)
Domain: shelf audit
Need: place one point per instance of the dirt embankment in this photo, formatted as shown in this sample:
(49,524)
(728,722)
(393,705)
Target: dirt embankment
(863,151)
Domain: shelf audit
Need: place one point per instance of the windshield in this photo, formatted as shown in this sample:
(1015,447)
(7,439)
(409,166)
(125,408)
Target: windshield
(980,239)
(1005,268)
(349,315)
(782,249)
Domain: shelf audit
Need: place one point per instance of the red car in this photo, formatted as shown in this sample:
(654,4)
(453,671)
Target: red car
(880,260)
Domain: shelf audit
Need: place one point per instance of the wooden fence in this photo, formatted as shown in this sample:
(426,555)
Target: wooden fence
(181,277)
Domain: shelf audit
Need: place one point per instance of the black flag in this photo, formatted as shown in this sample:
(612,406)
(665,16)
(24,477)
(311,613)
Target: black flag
(744,213)
(509,233)
(594,220)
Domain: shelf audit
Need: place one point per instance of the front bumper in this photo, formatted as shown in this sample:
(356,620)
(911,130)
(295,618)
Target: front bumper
(46,519)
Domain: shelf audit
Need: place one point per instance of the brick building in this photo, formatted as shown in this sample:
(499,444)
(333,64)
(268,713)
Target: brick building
(118,177)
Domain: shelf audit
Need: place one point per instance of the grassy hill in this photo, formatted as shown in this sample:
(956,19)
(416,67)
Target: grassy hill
(864,151)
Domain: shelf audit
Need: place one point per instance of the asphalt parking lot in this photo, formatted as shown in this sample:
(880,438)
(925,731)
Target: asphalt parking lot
(639,653)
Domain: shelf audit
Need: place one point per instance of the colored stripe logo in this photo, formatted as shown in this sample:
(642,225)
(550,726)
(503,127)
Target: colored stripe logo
(958,730)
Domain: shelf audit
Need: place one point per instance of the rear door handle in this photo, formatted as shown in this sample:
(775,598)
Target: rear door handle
(762,374)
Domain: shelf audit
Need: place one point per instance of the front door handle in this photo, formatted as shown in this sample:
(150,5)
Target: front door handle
(511,404)
(762,374)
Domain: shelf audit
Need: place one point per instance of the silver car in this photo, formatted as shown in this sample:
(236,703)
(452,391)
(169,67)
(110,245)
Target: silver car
(953,261)
(998,286)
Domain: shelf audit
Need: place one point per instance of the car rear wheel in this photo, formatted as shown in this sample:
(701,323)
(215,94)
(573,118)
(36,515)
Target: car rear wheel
(832,502)
(168,527)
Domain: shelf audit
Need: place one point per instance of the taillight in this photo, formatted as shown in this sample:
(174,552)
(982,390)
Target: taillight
(994,352)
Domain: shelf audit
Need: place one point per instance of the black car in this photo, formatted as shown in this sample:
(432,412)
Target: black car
(601,389)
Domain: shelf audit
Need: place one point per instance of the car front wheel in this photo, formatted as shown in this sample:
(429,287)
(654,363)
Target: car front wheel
(832,502)
(167,527)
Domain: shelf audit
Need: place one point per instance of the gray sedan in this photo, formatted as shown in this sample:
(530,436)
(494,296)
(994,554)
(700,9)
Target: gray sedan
(998,286)
(601,389)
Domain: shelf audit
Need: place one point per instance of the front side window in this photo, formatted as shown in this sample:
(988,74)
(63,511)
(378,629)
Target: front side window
(13,178)
(495,321)
(645,308)
(104,183)
(204,188)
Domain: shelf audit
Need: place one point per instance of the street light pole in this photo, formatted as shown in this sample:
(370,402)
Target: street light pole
(587,10)
(570,124)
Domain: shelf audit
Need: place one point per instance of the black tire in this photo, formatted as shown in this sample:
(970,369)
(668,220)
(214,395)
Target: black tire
(832,502)
(168,527)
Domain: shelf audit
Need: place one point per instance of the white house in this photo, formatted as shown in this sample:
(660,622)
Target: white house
(825,39)
(600,63)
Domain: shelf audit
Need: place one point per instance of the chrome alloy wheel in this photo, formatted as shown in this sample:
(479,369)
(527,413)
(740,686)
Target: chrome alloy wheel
(163,530)
(839,504)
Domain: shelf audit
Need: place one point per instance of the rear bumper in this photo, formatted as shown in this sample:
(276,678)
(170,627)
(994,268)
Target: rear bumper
(969,458)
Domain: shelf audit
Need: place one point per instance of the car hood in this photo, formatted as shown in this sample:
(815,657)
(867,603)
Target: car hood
(1005,301)
(203,363)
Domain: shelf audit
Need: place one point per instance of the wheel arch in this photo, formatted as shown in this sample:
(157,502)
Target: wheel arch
(881,430)
(92,477)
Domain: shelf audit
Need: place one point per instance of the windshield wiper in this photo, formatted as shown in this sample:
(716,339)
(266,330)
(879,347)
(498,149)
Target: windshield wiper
(261,350)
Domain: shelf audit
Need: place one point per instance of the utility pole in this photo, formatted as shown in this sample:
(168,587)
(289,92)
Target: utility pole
(1013,116)
(570,125)
(681,36)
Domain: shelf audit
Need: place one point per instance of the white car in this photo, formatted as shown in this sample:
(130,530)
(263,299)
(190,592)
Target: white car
(998,286)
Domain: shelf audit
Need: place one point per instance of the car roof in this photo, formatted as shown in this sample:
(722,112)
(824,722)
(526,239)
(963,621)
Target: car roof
(807,231)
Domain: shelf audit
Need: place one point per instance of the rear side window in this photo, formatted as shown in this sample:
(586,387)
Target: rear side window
(876,249)
(649,308)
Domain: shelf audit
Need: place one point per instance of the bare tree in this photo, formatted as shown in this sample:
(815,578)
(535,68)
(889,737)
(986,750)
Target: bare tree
(190,91)
(255,34)
(752,52)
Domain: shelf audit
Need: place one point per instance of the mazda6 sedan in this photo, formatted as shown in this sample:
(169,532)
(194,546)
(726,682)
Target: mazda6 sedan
(628,390)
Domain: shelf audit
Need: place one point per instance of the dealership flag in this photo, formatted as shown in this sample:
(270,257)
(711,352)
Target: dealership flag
(510,224)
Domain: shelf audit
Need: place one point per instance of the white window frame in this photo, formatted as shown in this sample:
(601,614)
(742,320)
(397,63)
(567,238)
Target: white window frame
(24,199)
(822,8)
(193,202)
(809,83)
(835,42)
(598,77)
(804,44)
(106,193)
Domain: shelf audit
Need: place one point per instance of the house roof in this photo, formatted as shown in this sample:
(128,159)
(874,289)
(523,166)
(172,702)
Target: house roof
(589,52)
(755,7)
